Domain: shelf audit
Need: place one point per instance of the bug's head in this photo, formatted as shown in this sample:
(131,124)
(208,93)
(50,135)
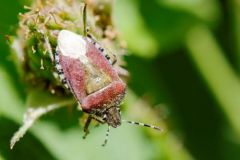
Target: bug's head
(112,117)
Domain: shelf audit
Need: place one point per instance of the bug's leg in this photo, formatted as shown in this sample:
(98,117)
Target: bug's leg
(106,138)
(86,125)
(85,19)
(122,72)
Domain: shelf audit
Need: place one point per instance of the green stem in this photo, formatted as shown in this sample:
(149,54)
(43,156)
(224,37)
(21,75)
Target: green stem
(217,72)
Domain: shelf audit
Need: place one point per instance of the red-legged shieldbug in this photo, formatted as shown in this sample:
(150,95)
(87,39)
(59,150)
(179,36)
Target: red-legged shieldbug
(85,67)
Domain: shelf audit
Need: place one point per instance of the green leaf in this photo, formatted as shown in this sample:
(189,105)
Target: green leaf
(152,27)
(133,28)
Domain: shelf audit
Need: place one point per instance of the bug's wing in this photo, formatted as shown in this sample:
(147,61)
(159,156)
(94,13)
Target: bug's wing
(77,66)
(91,77)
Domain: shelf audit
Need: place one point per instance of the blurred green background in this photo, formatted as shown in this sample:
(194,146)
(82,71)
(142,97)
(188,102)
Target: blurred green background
(184,61)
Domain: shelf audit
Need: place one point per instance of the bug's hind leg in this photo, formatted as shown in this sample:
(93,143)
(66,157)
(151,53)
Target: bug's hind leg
(86,125)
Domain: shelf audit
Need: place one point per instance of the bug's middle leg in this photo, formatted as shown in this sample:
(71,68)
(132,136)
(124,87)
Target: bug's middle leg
(86,125)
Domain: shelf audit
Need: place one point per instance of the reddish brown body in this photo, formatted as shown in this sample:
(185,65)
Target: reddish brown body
(75,73)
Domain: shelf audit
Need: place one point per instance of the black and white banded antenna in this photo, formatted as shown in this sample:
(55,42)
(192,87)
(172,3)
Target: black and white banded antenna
(106,137)
(142,124)
(134,123)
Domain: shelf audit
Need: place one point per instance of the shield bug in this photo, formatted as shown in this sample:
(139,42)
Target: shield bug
(85,67)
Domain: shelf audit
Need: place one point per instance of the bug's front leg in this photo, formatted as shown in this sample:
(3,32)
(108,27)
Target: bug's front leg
(86,125)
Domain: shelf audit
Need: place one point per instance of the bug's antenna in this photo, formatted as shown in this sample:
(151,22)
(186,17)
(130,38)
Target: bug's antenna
(106,138)
(142,124)
(85,19)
